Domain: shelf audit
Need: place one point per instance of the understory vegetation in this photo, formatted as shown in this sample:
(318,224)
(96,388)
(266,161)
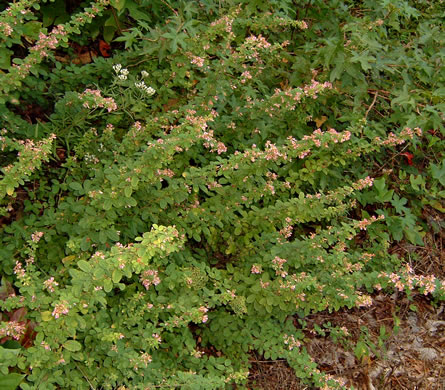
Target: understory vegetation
(184,182)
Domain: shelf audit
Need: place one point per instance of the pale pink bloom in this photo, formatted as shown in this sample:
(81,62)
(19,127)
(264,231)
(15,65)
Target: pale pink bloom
(18,270)
(256,269)
(50,284)
(198,61)
(60,308)
(146,358)
(203,309)
(150,277)
(12,329)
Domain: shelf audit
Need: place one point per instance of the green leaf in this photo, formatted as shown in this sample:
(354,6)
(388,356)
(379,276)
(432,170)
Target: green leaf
(117,276)
(398,204)
(10,381)
(118,4)
(364,59)
(438,172)
(439,92)
(72,345)
(9,190)
(127,191)
(5,57)
(11,344)
(417,182)
(84,266)
(76,186)
(108,33)
(108,204)
(99,273)
(46,316)
(31,29)
(108,285)
(414,235)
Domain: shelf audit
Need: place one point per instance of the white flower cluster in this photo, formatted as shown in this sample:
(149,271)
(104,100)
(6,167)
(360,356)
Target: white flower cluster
(122,73)
(148,90)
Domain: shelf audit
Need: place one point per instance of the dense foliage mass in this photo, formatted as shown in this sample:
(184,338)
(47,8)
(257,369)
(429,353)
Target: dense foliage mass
(188,194)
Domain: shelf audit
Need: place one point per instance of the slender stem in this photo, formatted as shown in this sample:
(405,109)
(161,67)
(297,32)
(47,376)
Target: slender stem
(84,375)
(372,104)
(113,11)
(169,6)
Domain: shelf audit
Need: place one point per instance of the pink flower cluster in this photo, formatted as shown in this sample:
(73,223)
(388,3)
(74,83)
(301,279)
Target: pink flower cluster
(60,308)
(245,76)
(198,61)
(287,230)
(226,22)
(50,284)
(363,224)
(288,99)
(363,301)
(278,266)
(315,88)
(409,133)
(211,143)
(393,139)
(149,278)
(145,358)
(256,269)
(339,382)
(18,270)
(40,50)
(36,236)
(92,98)
(291,342)
(272,153)
(363,183)
(302,24)
(156,337)
(50,41)
(258,42)
(164,173)
(6,29)
(407,280)
(12,329)
(204,310)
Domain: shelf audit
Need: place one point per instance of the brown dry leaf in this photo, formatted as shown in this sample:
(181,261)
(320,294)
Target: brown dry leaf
(63,59)
(284,84)
(170,103)
(80,59)
(319,121)
(85,58)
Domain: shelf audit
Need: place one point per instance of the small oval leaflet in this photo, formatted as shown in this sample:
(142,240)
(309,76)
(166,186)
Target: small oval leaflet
(72,345)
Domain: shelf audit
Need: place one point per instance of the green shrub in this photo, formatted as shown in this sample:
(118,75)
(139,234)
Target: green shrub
(207,184)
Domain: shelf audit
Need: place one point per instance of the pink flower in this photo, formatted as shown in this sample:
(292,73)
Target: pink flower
(18,270)
(36,236)
(256,269)
(150,277)
(50,284)
(60,308)
(12,329)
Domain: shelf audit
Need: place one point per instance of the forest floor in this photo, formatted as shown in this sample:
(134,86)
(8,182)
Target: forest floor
(397,343)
